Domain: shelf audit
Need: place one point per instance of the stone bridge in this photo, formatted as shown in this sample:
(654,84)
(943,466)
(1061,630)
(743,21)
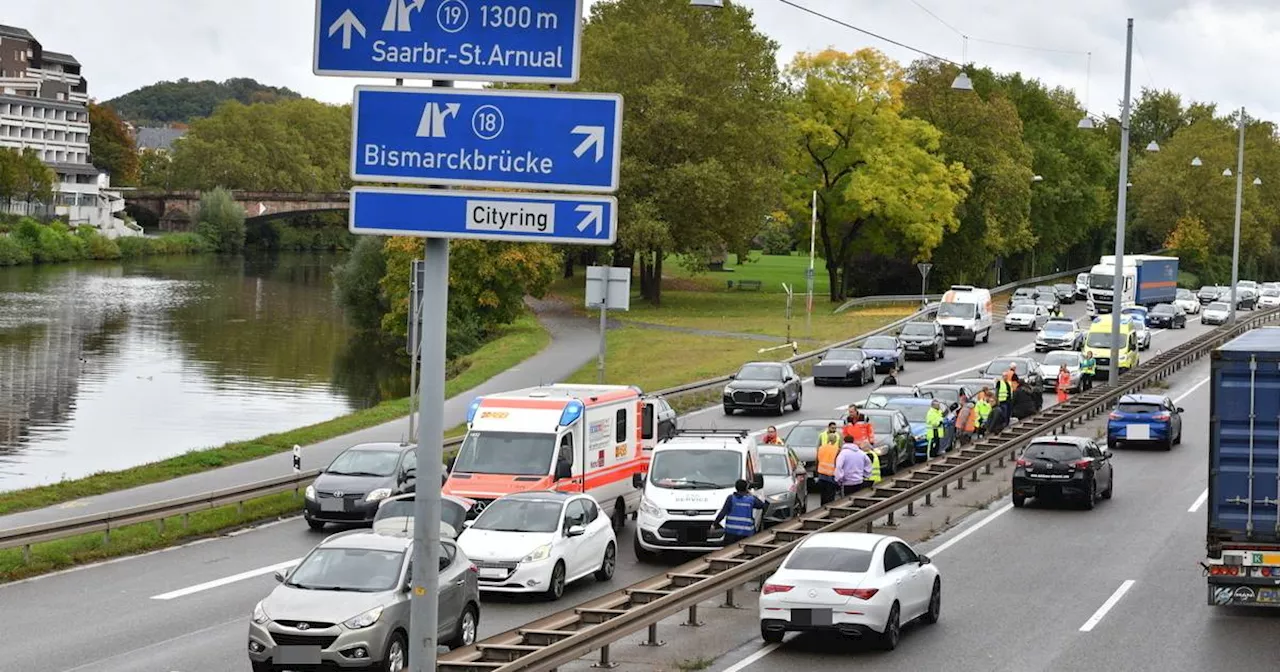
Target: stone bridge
(176,210)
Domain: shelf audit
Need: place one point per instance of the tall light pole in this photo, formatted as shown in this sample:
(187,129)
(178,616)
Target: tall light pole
(808,276)
(1117,286)
(1235,245)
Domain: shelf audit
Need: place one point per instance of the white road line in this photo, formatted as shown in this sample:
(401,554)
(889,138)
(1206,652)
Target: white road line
(227,580)
(1195,506)
(970,530)
(749,660)
(133,652)
(1107,606)
(1195,387)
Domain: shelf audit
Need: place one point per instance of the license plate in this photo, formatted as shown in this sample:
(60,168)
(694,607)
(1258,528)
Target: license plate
(811,616)
(297,655)
(696,534)
(1137,432)
(914,347)
(332,504)
(493,573)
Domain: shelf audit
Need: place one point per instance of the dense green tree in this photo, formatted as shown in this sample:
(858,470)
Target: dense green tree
(357,286)
(292,145)
(111,148)
(185,100)
(882,186)
(155,169)
(24,177)
(703,131)
(982,131)
(221,220)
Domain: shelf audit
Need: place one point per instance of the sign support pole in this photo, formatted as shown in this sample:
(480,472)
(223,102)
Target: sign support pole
(424,603)
(604,326)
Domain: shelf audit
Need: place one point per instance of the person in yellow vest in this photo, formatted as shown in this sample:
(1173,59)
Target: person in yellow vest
(828,450)
(1088,369)
(933,420)
(1004,395)
(870,450)
(982,410)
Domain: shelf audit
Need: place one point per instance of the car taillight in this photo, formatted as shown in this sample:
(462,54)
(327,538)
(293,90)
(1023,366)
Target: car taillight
(1161,417)
(775,588)
(860,593)
(1023,463)
(1115,416)
(1081,464)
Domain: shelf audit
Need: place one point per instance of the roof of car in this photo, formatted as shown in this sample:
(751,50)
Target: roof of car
(367,539)
(817,422)
(851,540)
(946,386)
(773,364)
(910,401)
(893,389)
(878,411)
(541,495)
(1061,438)
(1142,399)
(773,449)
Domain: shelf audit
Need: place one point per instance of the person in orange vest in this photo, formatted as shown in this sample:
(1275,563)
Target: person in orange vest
(771,437)
(1064,381)
(828,450)
(965,421)
(857,429)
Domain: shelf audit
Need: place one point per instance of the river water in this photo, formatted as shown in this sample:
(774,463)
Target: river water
(104,365)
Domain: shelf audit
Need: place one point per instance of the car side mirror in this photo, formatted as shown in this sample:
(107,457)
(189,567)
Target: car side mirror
(637,480)
(281,575)
(1179,409)
(924,559)
(468,523)
(757,481)
(732,376)
(408,474)
(575,531)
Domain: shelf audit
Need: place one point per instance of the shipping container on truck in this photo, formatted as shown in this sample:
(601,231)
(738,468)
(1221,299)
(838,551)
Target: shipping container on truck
(1243,532)
(1157,280)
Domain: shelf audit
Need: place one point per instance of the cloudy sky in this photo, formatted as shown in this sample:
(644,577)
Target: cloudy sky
(1206,50)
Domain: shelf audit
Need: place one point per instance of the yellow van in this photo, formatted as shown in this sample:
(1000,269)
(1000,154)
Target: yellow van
(1098,341)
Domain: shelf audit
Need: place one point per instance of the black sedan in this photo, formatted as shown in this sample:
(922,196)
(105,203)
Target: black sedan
(1066,293)
(894,443)
(1167,316)
(1063,467)
(923,340)
(350,489)
(1027,368)
(844,365)
(763,386)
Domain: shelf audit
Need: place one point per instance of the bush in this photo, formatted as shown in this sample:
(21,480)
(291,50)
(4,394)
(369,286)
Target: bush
(12,253)
(169,244)
(221,220)
(98,246)
(776,238)
(1188,279)
(29,241)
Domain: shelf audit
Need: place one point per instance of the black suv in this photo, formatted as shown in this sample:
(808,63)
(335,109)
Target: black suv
(763,386)
(925,340)
(1063,467)
(1028,370)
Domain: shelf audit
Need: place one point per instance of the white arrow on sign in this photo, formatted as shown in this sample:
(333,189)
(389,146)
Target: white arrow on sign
(595,136)
(346,23)
(262,209)
(595,213)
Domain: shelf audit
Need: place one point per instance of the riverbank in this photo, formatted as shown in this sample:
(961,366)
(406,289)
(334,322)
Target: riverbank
(26,241)
(515,343)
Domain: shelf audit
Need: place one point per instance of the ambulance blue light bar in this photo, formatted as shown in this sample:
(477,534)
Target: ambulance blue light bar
(471,410)
(572,411)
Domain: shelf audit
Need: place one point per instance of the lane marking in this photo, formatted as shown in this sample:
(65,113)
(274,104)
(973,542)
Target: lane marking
(227,580)
(1195,387)
(749,660)
(970,530)
(133,652)
(1195,506)
(1107,606)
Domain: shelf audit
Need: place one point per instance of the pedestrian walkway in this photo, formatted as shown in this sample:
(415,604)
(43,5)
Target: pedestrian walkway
(574,341)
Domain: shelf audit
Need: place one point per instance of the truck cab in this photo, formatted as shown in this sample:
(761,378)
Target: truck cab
(690,476)
(1098,341)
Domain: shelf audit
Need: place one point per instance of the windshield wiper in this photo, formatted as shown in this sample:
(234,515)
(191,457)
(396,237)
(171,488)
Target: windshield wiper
(358,473)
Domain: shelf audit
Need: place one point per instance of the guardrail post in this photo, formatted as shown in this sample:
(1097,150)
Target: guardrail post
(653,637)
(26,553)
(973,478)
(106,535)
(959,483)
(871,527)
(240,508)
(184,521)
(928,497)
(160,525)
(890,522)
(986,469)
(693,621)
(604,662)
(728,600)
(911,509)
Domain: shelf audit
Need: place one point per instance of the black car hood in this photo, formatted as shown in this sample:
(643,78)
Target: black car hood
(352,485)
(753,384)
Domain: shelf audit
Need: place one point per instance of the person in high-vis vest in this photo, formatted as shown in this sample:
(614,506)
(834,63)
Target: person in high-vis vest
(739,513)
(771,437)
(966,419)
(857,429)
(933,420)
(982,410)
(1064,381)
(870,450)
(828,450)
(1088,369)
(1004,395)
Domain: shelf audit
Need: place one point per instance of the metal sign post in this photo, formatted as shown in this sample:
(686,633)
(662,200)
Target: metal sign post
(924,267)
(415,340)
(608,288)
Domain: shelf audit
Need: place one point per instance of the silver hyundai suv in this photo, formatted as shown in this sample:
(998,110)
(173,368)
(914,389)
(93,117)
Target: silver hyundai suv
(346,605)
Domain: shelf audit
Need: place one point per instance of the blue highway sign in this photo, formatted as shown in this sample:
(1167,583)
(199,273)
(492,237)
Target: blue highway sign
(483,138)
(484,215)
(532,41)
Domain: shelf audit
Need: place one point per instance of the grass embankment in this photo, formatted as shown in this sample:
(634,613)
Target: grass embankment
(517,342)
(27,241)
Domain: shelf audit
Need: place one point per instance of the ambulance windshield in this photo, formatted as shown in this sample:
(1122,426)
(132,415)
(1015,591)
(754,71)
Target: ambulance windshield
(512,453)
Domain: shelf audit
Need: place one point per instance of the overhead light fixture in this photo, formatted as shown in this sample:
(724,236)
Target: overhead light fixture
(1197,162)
(1037,178)
(962,82)
(1085,122)
(1257,181)
(1152,146)
(1226,173)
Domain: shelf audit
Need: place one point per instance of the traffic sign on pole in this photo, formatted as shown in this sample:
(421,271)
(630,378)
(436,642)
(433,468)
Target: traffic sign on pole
(485,138)
(531,41)
(484,215)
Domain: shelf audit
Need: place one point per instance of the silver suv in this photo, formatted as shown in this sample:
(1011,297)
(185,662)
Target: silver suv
(346,605)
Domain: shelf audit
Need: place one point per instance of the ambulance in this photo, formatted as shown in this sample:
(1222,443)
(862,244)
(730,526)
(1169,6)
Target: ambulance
(573,438)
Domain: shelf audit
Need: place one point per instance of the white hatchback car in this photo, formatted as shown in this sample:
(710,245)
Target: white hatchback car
(1270,298)
(538,542)
(859,585)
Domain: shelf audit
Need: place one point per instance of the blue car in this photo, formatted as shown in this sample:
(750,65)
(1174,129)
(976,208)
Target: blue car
(1145,418)
(915,409)
(886,351)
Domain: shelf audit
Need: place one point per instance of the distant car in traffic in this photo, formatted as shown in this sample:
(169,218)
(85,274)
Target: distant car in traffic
(786,484)
(844,365)
(924,340)
(1167,316)
(1066,292)
(1137,318)
(763,386)
(803,439)
(1144,419)
(348,490)
(949,393)
(540,541)
(1025,294)
(864,586)
(346,606)
(887,351)
(1082,285)
(1026,317)
(1072,468)
(1186,299)
(1027,368)
(1052,364)
(1215,313)
(1059,333)
(884,394)
(1270,298)
(894,442)
(916,410)
(395,514)
(1208,294)
(1246,298)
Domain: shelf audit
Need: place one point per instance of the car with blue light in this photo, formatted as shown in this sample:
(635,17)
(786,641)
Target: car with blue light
(1137,317)
(915,411)
(1145,419)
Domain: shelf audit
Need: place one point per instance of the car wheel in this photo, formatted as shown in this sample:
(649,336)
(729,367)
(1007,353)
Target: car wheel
(942,352)
(1019,501)
(619,518)
(799,400)
(555,589)
(892,467)
(782,404)
(608,563)
(1178,439)
(468,626)
(728,410)
(1091,499)
(1111,486)
(771,636)
(935,604)
(986,335)
(397,654)
(892,630)
(315,525)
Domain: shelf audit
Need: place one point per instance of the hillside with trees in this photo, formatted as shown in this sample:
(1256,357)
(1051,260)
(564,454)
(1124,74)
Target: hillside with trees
(181,101)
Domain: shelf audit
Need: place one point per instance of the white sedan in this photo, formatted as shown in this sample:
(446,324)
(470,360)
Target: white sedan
(536,542)
(1270,298)
(1186,300)
(858,585)
(1026,317)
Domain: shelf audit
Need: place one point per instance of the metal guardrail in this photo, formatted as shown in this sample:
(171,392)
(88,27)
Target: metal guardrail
(554,641)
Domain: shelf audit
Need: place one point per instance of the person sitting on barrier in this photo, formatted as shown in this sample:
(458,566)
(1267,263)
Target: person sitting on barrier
(966,419)
(739,513)
(997,421)
(828,450)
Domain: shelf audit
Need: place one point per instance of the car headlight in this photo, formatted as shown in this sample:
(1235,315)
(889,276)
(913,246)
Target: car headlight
(779,498)
(364,620)
(772,391)
(728,391)
(648,508)
(310,492)
(379,494)
(260,614)
(540,553)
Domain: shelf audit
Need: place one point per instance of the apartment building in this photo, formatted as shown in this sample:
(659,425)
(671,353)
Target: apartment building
(44,106)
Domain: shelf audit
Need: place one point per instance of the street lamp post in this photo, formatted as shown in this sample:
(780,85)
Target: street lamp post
(1235,245)
(1117,287)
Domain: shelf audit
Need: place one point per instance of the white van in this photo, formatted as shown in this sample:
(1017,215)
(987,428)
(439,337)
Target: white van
(1082,286)
(965,314)
(690,476)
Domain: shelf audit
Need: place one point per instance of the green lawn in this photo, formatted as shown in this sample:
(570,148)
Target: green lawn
(769,269)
